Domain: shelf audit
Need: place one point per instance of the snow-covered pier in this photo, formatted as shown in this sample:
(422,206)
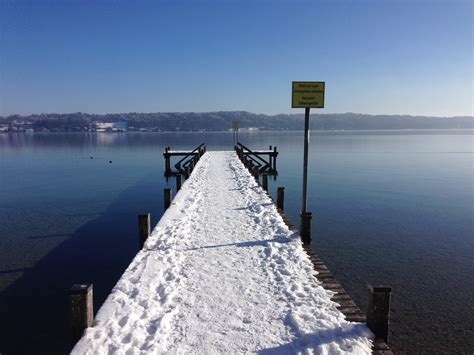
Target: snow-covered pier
(222,273)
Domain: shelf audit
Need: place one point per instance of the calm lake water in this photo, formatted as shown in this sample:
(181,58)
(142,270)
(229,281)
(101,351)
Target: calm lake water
(392,208)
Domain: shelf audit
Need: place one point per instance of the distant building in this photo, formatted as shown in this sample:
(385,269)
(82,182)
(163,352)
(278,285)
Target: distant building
(111,126)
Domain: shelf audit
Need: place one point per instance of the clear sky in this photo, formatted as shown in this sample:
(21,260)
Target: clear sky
(379,57)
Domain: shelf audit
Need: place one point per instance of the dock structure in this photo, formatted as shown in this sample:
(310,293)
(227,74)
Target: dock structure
(224,272)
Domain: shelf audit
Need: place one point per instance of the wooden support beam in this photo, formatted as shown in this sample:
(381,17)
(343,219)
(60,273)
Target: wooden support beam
(81,309)
(144,229)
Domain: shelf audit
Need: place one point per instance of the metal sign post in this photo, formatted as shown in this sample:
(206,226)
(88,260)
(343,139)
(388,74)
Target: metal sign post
(305,159)
(235,131)
(306,94)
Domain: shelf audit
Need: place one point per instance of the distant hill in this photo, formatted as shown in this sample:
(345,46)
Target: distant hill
(222,121)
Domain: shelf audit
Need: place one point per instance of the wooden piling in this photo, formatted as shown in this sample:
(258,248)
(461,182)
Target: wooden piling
(270,157)
(275,158)
(378,312)
(168,197)
(178,182)
(81,309)
(167,161)
(305,227)
(255,172)
(144,229)
(281,198)
(265,182)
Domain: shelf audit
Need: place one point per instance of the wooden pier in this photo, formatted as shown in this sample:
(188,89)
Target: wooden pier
(377,318)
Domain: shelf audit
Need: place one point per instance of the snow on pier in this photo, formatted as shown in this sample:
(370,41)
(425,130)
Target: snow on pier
(221,274)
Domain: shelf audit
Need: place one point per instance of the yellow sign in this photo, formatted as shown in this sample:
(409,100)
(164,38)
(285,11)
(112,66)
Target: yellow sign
(307,94)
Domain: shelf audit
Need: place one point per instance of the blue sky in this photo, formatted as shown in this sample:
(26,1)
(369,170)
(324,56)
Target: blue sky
(379,57)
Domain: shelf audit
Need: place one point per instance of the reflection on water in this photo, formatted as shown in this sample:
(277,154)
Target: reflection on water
(388,207)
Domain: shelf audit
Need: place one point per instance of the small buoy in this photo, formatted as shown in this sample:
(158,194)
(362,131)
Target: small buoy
(110,161)
(92,157)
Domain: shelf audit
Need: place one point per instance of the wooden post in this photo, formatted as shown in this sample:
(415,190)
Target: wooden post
(281,198)
(265,182)
(178,182)
(187,172)
(378,312)
(168,198)
(143,227)
(275,158)
(305,227)
(81,309)
(167,161)
(255,172)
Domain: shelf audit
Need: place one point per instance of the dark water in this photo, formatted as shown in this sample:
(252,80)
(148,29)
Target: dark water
(392,208)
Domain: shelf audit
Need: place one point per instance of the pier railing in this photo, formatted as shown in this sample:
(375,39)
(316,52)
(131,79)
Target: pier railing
(186,164)
(257,158)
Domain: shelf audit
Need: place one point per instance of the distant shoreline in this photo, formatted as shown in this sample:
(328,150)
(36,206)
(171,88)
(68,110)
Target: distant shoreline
(225,121)
(404,130)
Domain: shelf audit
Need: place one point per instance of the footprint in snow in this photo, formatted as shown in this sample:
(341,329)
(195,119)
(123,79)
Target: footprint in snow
(123,321)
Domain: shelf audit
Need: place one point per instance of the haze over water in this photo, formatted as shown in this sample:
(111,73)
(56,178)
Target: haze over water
(392,208)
